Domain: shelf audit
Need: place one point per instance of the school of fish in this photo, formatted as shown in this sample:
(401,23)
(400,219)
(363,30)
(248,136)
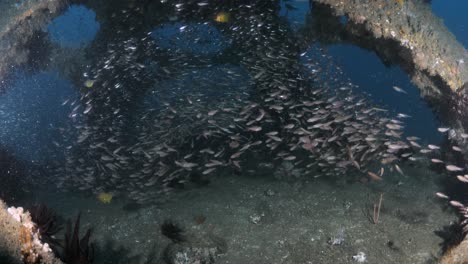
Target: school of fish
(118,144)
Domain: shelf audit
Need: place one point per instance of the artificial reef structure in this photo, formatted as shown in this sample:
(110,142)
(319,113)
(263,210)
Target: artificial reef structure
(408,34)
(22,32)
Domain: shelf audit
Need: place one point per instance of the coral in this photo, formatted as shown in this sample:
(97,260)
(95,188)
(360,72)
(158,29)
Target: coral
(10,235)
(20,238)
(456,255)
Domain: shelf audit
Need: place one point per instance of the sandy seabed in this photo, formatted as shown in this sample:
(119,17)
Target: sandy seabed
(265,220)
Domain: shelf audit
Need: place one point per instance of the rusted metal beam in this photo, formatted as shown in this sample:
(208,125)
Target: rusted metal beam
(18,35)
(423,39)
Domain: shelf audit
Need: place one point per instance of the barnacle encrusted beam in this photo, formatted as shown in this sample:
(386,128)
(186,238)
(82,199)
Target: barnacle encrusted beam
(409,34)
(424,41)
(20,239)
(21,31)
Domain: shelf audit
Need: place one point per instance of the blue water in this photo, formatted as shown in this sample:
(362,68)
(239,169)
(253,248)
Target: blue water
(453,14)
(295,12)
(77,27)
(31,114)
(373,78)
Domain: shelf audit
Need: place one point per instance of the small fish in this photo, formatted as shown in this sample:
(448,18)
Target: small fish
(374,176)
(401,115)
(457,204)
(88,109)
(212,112)
(213,163)
(443,129)
(379,109)
(433,147)
(105,197)
(453,168)
(208,171)
(106,158)
(414,144)
(236,155)
(393,126)
(236,163)
(436,161)
(398,89)
(395,146)
(261,115)
(313,119)
(441,195)
(207,150)
(381,172)
(290,157)
(89,83)
(275,138)
(276,107)
(399,169)
(254,128)
(222,17)
(456,148)
(258,142)
(185,164)
(407,154)
(462,178)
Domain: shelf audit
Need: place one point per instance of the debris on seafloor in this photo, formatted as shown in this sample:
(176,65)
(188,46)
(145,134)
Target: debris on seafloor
(338,239)
(360,257)
(256,218)
(191,248)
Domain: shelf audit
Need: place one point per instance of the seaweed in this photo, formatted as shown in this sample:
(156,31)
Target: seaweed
(76,250)
(451,234)
(47,222)
(172,231)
